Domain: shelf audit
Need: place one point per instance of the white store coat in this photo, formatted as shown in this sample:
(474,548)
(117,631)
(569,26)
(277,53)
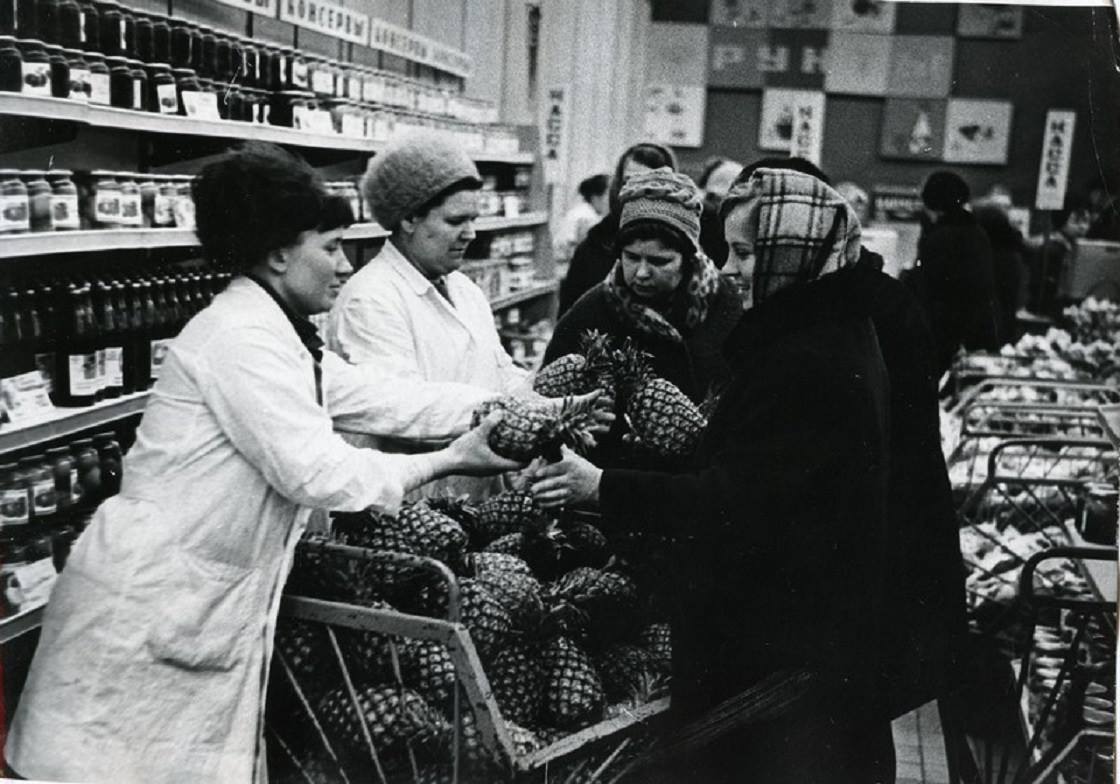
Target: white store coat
(155,647)
(391,318)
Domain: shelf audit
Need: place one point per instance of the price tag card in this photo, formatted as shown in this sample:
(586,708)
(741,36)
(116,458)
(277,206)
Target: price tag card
(25,397)
(35,581)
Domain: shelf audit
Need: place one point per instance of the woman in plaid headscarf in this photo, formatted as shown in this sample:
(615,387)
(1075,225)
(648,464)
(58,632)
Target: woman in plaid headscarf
(780,524)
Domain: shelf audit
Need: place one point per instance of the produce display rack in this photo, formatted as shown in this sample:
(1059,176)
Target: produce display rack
(1038,391)
(601,745)
(60,109)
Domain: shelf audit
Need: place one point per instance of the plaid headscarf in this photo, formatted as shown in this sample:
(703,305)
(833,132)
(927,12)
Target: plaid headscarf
(693,298)
(803,228)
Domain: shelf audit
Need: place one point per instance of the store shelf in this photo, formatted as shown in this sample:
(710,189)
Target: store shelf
(70,421)
(497,223)
(365,231)
(517,297)
(46,243)
(21,623)
(148,122)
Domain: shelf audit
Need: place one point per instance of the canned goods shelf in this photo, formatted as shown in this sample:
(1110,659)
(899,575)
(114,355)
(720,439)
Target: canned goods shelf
(70,421)
(150,122)
(370,231)
(91,241)
(517,297)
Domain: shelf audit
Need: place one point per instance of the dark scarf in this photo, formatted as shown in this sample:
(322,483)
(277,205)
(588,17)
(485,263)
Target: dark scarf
(689,307)
(307,333)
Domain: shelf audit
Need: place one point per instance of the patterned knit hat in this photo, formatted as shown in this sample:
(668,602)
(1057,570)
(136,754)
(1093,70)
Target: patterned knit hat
(411,171)
(663,195)
(803,229)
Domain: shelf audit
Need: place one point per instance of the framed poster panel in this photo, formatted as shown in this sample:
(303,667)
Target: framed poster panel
(739,13)
(800,14)
(733,57)
(863,16)
(858,63)
(921,66)
(913,129)
(678,53)
(977,131)
(805,54)
(778,116)
(984,20)
(674,114)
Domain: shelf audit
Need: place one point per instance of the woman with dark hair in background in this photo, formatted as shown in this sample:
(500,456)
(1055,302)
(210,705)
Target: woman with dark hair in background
(1051,259)
(156,644)
(715,181)
(594,256)
(1009,265)
(955,261)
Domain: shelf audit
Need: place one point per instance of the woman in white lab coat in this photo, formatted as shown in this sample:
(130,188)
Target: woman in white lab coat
(155,647)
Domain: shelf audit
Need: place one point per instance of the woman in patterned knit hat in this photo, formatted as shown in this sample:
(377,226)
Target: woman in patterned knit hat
(779,525)
(663,292)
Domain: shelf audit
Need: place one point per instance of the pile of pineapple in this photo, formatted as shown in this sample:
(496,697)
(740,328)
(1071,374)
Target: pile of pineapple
(569,633)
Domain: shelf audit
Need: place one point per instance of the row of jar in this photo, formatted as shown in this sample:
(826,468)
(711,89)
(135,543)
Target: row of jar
(35,200)
(105,27)
(34,489)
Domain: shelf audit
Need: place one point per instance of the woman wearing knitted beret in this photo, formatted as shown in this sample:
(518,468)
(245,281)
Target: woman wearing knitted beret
(780,523)
(662,292)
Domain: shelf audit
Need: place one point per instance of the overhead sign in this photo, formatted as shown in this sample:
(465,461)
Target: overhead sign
(555,129)
(418,48)
(808,126)
(262,7)
(326,17)
(1053,168)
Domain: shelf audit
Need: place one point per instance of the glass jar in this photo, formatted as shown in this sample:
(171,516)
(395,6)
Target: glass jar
(60,71)
(184,201)
(27,19)
(40,479)
(285,105)
(319,76)
(162,94)
(300,77)
(223,58)
(280,69)
(15,500)
(89,26)
(111,28)
(265,55)
(38,200)
(181,40)
(79,75)
(120,82)
(64,200)
(100,84)
(106,203)
(353,83)
(149,189)
(141,47)
(161,40)
(11,65)
(15,210)
(132,214)
(139,86)
(88,464)
(46,21)
(250,62)
(206,61)
(8,18)
(186,82)
(69,27)
(109,457)
(35,69)
(163,207)
(65,472)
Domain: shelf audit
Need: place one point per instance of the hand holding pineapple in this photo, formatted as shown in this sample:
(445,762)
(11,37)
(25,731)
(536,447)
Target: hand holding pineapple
(471,453)
(571,481)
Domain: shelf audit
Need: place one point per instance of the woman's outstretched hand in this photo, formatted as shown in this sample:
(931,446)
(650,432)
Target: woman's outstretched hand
(571,481)
(472,455)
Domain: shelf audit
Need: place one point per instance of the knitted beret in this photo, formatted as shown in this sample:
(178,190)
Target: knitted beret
(409,172)
(663,195)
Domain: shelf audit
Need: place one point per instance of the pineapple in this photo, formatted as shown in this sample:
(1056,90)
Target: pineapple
(541,546)
(517,678)
(502,514)
(588,545)
(573,691)
(658,639)
(397,719)
(427,668)
(622,668)
(578,373)
(486,562)
(662,417)
(307,651)
(530,429)
(432,533)
(519,594)
(487,620)
(609,602)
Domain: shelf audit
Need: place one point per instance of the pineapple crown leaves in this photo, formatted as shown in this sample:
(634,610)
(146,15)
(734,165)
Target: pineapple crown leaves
(631,368)
(458,507)
(545,425)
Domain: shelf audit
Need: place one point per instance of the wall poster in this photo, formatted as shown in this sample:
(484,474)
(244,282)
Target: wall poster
(733,57)
(921,66)
(779,117)
(739,13)
(984,20)
(858,64)
(674,114)
(863,16)
(913,129)
(977,131)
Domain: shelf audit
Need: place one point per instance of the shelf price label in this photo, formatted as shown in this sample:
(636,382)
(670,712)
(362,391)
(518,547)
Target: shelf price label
(1053,168)
(417,48)
(327,17)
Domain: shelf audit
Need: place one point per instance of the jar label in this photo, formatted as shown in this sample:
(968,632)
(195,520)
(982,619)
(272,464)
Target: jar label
(201,105)
(352,125)
(369,93)
(299,73)
(64,210)
(163,210)
(265,114)
(15,213)
(322,82)
(76,491)
(159,354)
(14,507)
(83,374)
(353,87)
(42,493)
(107,207)
(99,89)
(79,84)
(114,366)
(101,381)
(167,98)
(130,210)
(184,212)
(36,78)
(137,94)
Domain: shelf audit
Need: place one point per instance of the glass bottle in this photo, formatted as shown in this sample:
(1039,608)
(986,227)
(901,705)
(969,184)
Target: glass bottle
(111,28)
(76,379)
(79,75)
(139,86)
(60,71)
(65,472)
(41,480)
(45,351)
(110,460)
(88,464)
(15,505)
(180,44)
(137,347)
(89,29)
